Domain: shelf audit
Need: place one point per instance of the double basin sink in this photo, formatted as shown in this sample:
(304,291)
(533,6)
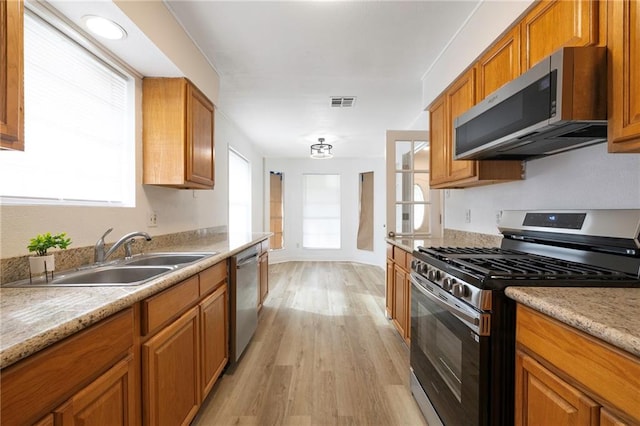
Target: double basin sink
(132,272)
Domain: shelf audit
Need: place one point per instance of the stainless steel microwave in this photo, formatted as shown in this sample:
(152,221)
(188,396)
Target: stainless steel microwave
(558,105)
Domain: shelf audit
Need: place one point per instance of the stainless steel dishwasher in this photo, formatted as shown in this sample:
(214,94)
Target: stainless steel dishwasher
(243,300)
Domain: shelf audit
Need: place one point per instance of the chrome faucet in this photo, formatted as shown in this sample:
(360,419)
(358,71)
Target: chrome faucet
(99,254)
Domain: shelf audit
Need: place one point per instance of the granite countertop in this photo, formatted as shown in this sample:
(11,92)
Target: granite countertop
(610,314)
(34,318)
(451,238)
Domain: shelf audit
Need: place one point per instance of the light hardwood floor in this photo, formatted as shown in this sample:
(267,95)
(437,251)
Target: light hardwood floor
(323,353)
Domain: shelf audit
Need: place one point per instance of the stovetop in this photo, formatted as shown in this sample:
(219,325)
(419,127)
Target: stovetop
(484,267)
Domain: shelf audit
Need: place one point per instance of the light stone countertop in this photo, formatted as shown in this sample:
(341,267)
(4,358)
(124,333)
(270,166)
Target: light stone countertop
(610,314)
(33,318)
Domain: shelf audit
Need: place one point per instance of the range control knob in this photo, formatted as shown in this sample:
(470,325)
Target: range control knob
(460,290)
(415,265)
(448,283)
(433,275)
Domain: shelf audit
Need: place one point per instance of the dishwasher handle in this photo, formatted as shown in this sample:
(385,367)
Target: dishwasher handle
(247,260)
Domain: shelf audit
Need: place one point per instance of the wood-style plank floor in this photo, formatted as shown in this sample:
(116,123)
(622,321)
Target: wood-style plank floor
(323,354)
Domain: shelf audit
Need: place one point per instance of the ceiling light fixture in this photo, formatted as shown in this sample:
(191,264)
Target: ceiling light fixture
(321,150)
(104,27)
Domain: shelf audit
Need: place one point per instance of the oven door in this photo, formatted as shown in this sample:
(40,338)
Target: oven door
(449,355)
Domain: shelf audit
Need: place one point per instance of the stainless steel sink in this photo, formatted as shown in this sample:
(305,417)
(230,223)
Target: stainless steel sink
(125,273)
(171,259)
(111,276)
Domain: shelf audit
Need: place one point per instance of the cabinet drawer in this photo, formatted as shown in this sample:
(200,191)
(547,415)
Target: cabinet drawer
(211,278)
(37,385)
(609,374)
(400,256)
(161,308)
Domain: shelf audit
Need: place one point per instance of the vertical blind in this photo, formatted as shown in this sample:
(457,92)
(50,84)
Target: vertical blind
(79,145)
(321,211)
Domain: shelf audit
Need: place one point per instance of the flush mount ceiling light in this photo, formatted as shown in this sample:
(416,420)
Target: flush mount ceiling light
(104,27)
(321,150)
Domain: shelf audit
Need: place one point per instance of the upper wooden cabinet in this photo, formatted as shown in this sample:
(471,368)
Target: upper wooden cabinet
(499,65)
(178,144)
(551,25)
(624,76)
(11,75)
(447,172)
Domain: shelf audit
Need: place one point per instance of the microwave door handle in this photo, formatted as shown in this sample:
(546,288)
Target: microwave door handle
(451,308)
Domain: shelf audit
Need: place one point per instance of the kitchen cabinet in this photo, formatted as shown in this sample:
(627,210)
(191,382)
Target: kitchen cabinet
(624,76)
(178,129)
(398,292)
(11,75)
(499,65)
(106,401)
(550,25)
(566,377)
(214,314)
(447,172)
(263,272)
(184,345)
(170,374)
(59,381)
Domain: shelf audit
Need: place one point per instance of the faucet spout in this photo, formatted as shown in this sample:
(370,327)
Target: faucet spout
(101,256)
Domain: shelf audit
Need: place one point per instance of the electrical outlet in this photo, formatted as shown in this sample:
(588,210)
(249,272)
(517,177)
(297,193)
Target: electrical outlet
(498,216)
(152,220)
(467,216)
(447,193)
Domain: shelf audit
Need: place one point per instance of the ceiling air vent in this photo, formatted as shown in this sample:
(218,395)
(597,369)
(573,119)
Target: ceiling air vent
(342,101)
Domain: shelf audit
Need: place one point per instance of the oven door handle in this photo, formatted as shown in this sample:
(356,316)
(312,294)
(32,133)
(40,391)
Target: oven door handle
(443,304)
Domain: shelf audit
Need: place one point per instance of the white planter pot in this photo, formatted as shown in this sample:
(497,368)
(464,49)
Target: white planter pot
(40,264)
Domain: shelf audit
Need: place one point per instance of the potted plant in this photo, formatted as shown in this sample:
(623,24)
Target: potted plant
(44,262)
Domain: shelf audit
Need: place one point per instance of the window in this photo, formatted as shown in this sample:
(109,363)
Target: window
(239,194)
(79,126)
(321,211)
(410,205)
(276,210)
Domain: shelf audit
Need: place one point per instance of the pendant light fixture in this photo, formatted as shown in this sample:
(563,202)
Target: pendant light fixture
(321,150)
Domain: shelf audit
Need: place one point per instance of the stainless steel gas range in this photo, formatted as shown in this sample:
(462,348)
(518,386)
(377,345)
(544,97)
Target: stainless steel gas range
(463,325)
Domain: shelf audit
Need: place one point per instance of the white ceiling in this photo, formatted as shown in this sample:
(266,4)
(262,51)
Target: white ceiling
(280,62)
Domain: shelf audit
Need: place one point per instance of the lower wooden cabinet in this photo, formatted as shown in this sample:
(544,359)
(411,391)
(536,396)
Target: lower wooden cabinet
(398,290)
(566,377)
(109,400)
(214,336)
(85,375)
(549,399)
(263,277)
(170,373)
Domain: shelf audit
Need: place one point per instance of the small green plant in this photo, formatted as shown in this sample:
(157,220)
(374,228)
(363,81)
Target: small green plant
(43,242)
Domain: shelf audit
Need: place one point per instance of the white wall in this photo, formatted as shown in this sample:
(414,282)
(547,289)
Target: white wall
(349,170)
(587,178)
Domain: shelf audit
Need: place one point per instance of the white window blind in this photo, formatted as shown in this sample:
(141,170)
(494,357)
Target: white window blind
(321,211)
(79,138)
(239,194)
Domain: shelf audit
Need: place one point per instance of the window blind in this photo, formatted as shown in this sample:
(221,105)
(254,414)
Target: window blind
(321,211)
(79,143)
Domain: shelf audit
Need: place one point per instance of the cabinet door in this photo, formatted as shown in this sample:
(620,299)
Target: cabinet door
(609,419)
(555,24)
(460,98)
(214,319)
(624,76)
(11,75)
(438,140)
(170,372)
(389,289)
(500,64)
(200,161)
(109,400)
(400,300)
(542,398)
(264,277)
